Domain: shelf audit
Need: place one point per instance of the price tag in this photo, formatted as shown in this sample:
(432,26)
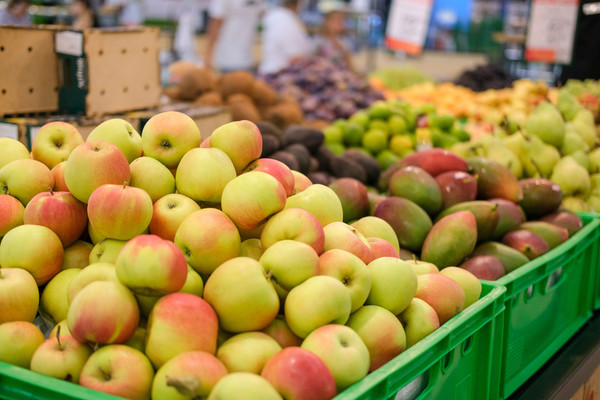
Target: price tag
(551,31)
(10,131)
(407,25)
(69,42)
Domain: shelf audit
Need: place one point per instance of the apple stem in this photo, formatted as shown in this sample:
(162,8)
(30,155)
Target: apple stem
(186,385)
(414,258)
(60,346)
(51,191)
(269,275)
(124,184)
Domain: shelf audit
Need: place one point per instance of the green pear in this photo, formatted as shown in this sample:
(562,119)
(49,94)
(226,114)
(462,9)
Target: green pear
(543,156)
(595,180)
(582,158)
(594,157)
(496,150)
(466,149)
(572,178)
(516,144)
(572,141)
(593,202)
(547,123)
(575,203)
(567,104)
(585,126)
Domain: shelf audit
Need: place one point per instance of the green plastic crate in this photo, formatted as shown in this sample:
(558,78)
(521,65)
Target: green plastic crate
(587,217)
(460,360)
(547,301)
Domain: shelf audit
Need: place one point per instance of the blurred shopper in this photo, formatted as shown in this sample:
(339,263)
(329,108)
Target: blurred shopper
(129,12)
(83,15)
(232,30)
(284,38)
(15,13)
(586,51)
(331,44)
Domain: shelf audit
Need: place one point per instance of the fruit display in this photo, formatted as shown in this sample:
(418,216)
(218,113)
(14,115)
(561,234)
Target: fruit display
(397,78)
(209,271)
(484,77)
(586,92)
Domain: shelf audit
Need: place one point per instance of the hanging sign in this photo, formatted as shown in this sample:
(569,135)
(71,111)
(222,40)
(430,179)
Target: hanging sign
(407,25)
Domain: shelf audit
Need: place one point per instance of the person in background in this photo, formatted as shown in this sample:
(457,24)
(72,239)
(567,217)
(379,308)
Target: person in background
(232,30)
(83,15)
(15,13)
(129,12)
(331,45)
(284,38)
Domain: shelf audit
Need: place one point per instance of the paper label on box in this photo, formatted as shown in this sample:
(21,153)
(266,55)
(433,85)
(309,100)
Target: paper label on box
(33,130)
(407,25)
(10,131)
(70,43)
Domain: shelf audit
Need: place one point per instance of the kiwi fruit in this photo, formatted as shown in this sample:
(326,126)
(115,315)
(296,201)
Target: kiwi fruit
(262,94)
(347,168)
(172,92)
(371,166)
(239,98)
(311,138)
(284,114)
(270,145)
(286,158)
(302,155)
(212,98)
(194,82)
(236,82)
(243,110)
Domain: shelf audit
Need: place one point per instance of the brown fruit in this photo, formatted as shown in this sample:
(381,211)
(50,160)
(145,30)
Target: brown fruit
(262,94)
(195,82)
(244,110)
(209,99)
(284,114)
(236,82)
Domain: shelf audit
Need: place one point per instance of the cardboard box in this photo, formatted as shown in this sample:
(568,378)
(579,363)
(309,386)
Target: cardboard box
(108,71)
(28,71)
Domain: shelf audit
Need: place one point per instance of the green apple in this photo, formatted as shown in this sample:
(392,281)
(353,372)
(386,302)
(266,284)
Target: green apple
(394,284)
(419,319)
(20,339)
(61,358)
(443,294)
(153,177)
(120,133)
(281,332)
(106,251)
(321,201)
(301,182)
(247,352)
(19,295)
(54,142)
(77,255)
(169,212)
(92,273)
(288,263)
(23,179)
(376,227)
(137,340)
(11,150)
(12,213)
(251,248)
(240,140)
(294,224)
(244,385)
(95,237)
(339,235)
(193,283)
(423,267)
(469,282)
(53,302)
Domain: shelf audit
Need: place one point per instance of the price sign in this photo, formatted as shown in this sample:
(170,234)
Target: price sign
(407,25)
(551,31)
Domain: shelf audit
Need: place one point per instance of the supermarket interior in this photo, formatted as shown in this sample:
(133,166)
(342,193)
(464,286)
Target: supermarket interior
(299,199)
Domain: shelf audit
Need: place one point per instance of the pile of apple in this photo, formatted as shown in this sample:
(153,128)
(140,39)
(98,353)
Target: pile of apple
(199,270)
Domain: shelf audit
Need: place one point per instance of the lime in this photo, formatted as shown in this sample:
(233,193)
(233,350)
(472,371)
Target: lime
(379,125)
(444,122)
(361,117)
(336,148)
(380,110)
(375,140)
(397,125)
(386,158)
(399,144)
(333,134)
(352,133)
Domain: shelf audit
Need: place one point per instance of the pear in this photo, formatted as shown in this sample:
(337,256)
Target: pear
(595,180)
(466,149)
(543,156)
(547,123)
(516,144)
(567,104)
(594,157)
(572,141)
(495,149)
(575,203)
(582,158)
(593,202)
(584,125)
(572,178)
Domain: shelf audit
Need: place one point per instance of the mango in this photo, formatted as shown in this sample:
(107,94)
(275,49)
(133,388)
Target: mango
(540,197)
(456,187)
(450,240)
(435,161)
(565,219)
(526,242)
(510,258)
(494,180)
(410,222)
(510,217)
(417,185)
(485,212)
(552,234)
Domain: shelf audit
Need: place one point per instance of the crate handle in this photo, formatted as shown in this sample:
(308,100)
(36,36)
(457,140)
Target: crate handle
(555,280)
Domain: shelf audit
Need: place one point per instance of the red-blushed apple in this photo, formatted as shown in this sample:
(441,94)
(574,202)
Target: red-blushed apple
(469,283)
(394,284)
(53,302)
(92,273)
(381,248)
(120,133)
(217,241)
(92,165)
(34,248)
(11,213)
(484,267)
(23,179)
(351,271)
(203,173)
(103,312)
(240,140)
(20,339)
(382,333)
(168,136)
(53,143)
(419,319)
(119,212)
(342,350)
(118,370)
(276,168)
(443,294)
(247,352)
(353,196)
(19,295)
(11,150)
(376,227)
(153,177)
(106,251)
(61,212)
(299,374)
(288,263)
(151,266)
(251,198)
(180,322)
(339,235)
(251,248)
(205,144)
(168,213)
(294,224)
(61,357)
(64,329)
(188,375)
(242,295)
(58,172)
(423,267)
(301,182)
(77,255)
(303,315)
(320,201)
(244,385)
(281,332)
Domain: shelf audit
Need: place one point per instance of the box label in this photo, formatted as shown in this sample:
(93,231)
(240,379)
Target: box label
(70,43)
(407,25)
(10,131)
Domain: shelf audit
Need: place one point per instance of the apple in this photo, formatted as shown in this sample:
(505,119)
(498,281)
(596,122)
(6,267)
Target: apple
(294,224)
(61,212)
(484,267)
(240,140)
(58,172)
(251,198)
(53,302)
(178,323)
(34,248)
(381,332)
(443,294)
(276,168)
(301,182)
(342,350)
(353,196)
(205,144)
(92,165)
(351,271)
(77,255)
(103,312)
(376,227)
(469,283)
(20,339)
(300,374)
(190,375)
(53,143)
(207,248)
(11,150)
(419,319)
(320,201)
(202,175)
(23,179)
(137,340)
(394,284)
(119,212)
(120,133)
(244,385)
(279,330)
(242,295)
(251,248)
(288,263)
(95,237)
(106,251)
(19,295)
(193,283)
(118,370)
(60,329)
(153,177)
(11,213)
(339,235)
(423,267)
(168,213)
(247,352)
(304,314)
(381,248)
(61,357)
(167,136)
(94,272)
(146,303)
